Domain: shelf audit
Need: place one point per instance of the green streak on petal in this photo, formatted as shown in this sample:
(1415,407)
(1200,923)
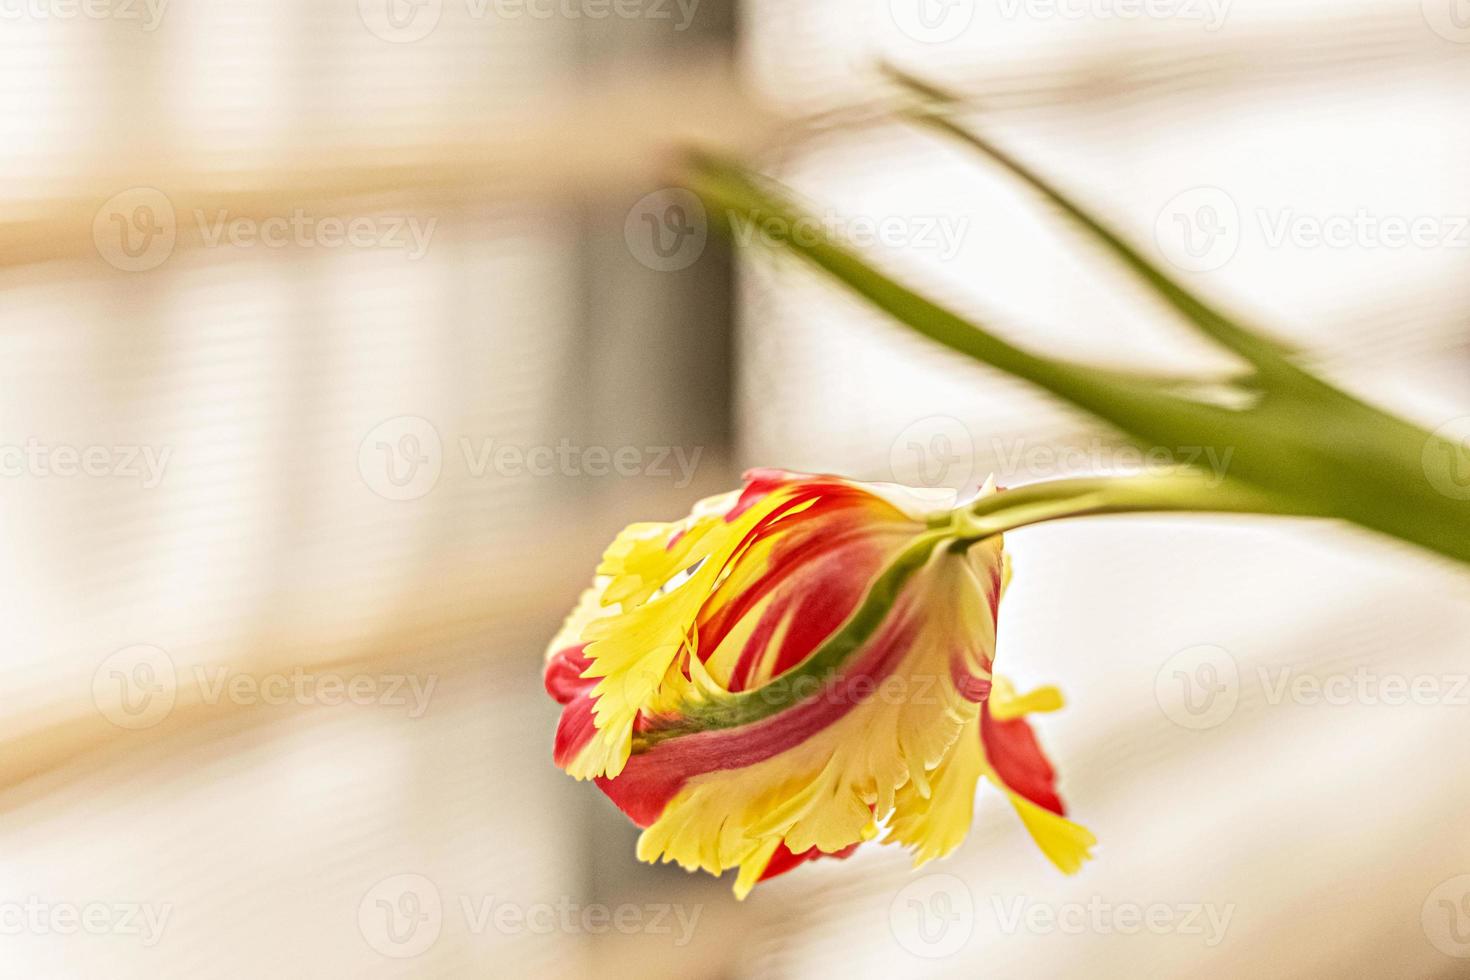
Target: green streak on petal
(819,668)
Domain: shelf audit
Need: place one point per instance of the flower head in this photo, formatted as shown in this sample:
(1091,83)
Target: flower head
(792,667)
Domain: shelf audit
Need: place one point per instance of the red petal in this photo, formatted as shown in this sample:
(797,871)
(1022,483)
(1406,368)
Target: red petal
(783,860)
(1016,756)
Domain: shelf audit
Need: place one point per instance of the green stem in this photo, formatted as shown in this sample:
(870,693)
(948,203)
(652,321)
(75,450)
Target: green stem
(1089,496)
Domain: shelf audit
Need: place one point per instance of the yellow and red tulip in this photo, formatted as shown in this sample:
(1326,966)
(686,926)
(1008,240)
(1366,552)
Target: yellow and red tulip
(792,667)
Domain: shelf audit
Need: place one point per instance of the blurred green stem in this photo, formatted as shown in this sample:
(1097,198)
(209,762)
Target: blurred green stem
(1186,492)
(1301,444)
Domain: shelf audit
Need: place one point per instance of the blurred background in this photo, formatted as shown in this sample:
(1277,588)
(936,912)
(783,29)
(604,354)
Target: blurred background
(340,337)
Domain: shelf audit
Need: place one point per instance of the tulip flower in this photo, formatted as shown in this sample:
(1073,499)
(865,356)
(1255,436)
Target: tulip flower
(796,668)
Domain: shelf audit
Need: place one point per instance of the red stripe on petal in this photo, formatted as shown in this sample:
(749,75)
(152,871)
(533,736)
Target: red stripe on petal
(573,731)
(755,646)
(652,778)
(971,687)
(758,484)
(825,572)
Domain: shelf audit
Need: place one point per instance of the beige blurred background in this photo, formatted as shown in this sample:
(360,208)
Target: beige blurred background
(339,338)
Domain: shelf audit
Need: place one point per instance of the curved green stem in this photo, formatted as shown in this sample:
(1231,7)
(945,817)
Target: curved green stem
(1088,496)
